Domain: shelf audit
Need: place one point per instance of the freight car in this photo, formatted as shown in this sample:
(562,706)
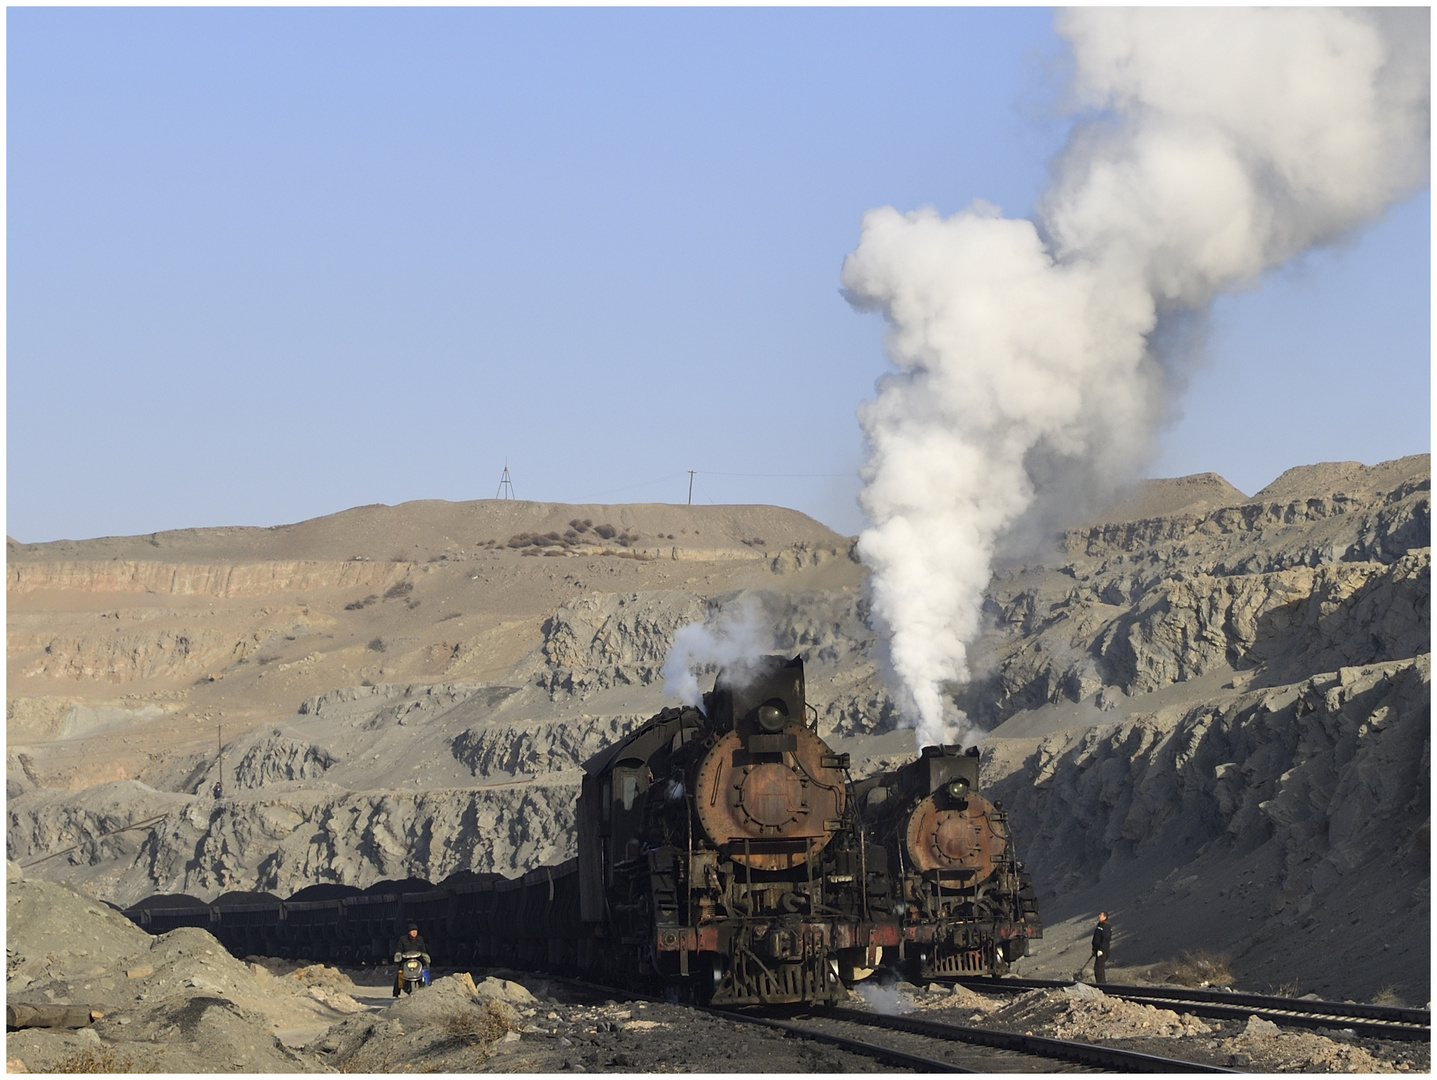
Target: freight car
(965,904)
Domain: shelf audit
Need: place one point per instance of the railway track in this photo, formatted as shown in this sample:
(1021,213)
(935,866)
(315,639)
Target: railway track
(928,1046)
(1369,1021)
(1006,1051)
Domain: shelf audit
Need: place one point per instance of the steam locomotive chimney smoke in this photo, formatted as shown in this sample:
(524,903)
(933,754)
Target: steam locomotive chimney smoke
(731,639)
(1032,369)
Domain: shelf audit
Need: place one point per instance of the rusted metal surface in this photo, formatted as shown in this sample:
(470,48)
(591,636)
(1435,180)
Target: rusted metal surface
(959,838)
(770,811)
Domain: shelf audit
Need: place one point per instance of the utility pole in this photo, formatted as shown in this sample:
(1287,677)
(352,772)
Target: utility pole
(220,747)
(506,487)
(691,486)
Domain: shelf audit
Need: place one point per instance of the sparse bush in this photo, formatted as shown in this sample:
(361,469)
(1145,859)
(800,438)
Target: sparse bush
(360,605)
(570,535)
(94,1059)
(580,526)
(479,1026)
(403,588)
(1199,968)
(1389,997)
(377,645)
(606,531)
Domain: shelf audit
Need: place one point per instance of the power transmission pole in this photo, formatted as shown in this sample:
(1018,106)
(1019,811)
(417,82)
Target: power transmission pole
(691,486)
(506,486)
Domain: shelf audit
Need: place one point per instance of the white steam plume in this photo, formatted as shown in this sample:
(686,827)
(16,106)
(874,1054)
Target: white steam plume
(731,639)
(1031,374)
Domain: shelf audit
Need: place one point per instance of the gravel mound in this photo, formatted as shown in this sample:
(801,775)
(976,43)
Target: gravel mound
(175,1003)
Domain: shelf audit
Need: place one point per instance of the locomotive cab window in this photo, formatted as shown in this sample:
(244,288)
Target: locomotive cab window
(628,782)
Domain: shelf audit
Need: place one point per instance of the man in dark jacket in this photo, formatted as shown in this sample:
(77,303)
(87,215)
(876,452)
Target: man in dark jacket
(1102,939)
(409,942)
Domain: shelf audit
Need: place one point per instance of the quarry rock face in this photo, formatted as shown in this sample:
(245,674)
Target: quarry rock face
(1206,713)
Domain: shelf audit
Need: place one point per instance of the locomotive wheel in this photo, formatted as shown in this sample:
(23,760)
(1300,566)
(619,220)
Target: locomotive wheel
(708,977)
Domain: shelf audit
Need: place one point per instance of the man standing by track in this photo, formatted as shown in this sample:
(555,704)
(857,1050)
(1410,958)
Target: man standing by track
(1102,940)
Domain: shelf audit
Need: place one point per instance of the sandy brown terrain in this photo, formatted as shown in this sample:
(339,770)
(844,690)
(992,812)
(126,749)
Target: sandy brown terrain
(1208,713)
(179,1003)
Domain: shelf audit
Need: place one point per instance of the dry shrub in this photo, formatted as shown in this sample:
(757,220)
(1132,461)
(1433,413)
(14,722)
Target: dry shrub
(402,588)
(607,531)
(93,1059)
(1200,968)
(1389,997)
(1292,988)
(479,1026)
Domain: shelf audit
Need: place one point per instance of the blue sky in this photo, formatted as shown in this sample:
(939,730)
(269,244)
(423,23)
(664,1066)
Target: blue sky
(267,264)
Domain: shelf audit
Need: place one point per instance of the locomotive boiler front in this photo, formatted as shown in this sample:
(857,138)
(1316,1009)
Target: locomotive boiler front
(768,793)
(954,833)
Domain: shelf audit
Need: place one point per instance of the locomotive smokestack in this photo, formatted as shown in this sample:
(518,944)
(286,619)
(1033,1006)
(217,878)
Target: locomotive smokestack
(732,639)
(1031,356)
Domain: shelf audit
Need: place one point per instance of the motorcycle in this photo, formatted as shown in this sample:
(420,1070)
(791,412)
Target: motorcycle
(412,972)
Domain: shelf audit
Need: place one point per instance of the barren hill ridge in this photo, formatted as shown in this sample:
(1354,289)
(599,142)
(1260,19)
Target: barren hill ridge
(1208,713)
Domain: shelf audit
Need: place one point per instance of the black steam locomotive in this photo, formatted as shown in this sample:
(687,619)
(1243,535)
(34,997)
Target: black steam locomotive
(722,846)
(965,905)
(725,851)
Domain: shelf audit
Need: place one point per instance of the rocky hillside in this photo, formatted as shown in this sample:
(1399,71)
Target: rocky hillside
(1208,713)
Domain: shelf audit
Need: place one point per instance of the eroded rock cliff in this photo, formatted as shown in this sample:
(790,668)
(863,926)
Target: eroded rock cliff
(1208,714)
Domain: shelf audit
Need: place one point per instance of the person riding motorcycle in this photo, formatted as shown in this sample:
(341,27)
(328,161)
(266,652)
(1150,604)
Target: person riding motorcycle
(409,942)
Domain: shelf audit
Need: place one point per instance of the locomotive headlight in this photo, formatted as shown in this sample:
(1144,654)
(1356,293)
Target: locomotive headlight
(958,788)
(771,718)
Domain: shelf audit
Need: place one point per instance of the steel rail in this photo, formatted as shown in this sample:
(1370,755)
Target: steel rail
(1359,1010)
(856,1046)
(1107,1058)
(1372,1021)
(874,1050)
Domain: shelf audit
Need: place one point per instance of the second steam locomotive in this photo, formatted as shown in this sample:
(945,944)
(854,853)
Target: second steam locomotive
(724,851)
